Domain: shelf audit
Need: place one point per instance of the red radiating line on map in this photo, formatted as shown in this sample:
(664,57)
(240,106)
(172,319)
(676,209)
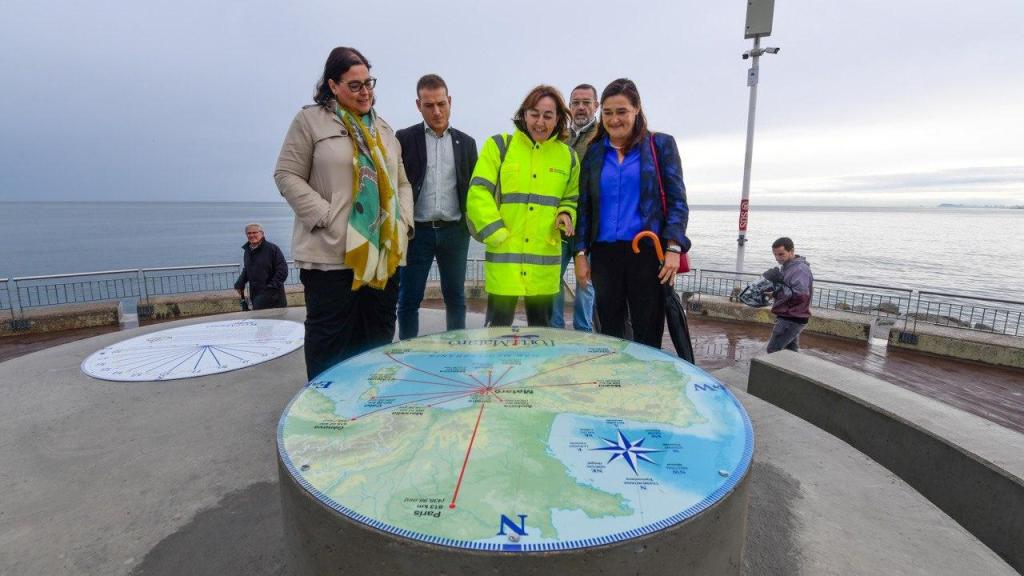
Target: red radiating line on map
(388,354)
(465,461)
(571,364)
(392,407)
(503,374)
(452,393)
(547,386)
(453,398)
(466,385)
(475,379)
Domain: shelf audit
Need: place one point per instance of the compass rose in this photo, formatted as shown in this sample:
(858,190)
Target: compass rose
(628,451)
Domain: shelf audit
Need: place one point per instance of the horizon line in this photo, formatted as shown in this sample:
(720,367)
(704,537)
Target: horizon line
(712,205)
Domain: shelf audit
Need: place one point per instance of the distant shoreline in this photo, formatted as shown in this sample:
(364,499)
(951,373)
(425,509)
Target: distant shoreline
(971,206)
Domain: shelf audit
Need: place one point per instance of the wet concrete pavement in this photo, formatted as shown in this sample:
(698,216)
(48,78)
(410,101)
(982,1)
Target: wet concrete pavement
(168,478)
(15,346)
(994,393)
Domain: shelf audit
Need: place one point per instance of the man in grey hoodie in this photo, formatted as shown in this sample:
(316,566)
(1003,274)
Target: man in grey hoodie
(792,306)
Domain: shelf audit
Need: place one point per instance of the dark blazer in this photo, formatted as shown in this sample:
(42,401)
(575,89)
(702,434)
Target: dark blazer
(668,227)
(414,156)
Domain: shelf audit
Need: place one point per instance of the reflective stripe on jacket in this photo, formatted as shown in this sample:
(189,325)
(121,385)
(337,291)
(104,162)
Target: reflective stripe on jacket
(523,246)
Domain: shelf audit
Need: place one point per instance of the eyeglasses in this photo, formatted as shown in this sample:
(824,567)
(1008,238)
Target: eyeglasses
(575,103)
(355,86)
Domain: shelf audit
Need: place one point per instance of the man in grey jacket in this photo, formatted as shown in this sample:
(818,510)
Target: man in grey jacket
(792,307)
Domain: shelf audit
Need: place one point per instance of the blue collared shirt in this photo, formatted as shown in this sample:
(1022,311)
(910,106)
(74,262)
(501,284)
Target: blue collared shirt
(439,199)
(620,196)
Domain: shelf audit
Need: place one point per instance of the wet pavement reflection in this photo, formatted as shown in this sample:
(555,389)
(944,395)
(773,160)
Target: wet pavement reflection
(996,394)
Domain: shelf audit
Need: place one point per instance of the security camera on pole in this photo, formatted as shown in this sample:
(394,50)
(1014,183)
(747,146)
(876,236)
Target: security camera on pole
(759,23)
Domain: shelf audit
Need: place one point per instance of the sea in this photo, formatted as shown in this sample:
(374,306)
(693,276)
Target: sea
(969,251)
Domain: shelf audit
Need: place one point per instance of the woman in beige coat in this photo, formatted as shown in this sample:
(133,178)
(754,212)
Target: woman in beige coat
(340,169)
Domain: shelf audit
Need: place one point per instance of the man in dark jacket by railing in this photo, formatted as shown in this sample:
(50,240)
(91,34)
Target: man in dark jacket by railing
(792,306)
(264,269)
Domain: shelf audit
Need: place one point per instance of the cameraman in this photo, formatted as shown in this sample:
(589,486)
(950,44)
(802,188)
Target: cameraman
(792,306)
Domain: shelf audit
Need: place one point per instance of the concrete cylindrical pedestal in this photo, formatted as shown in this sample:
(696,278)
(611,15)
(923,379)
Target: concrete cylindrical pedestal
(322,542)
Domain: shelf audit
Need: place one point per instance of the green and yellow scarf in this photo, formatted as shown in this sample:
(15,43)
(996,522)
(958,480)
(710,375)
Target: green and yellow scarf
(371,242)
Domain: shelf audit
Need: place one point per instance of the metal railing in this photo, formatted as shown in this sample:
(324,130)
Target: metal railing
(475,276)
(5,297)
(474,272)
(28,292)
(188,279)
(912,307)
(720,282)
(43,291)
(969,312)
(869,299)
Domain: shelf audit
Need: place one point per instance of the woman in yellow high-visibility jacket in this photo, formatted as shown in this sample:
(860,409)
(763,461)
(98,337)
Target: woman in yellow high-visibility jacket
(518,207)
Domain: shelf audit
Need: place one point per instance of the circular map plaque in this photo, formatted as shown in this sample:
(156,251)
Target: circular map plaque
(195,350)
(516,440)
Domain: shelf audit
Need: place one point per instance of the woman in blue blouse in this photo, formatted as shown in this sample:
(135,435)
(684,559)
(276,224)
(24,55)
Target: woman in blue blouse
(630,180)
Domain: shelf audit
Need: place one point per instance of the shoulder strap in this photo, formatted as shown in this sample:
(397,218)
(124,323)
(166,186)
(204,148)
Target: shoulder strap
(501,140)
(657,170)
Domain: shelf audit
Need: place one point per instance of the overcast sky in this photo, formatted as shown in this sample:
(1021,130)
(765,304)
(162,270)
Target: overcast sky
(874,102)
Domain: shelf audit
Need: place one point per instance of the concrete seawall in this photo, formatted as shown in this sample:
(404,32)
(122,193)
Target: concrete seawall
(827,322)
(993,349)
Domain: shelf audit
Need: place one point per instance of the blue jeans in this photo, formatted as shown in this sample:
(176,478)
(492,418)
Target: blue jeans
(583,304)
(785,335)
(449,244)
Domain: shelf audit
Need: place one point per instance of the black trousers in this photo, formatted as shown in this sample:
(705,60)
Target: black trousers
(341,323)
(268,299)
(622,278)
(501,310)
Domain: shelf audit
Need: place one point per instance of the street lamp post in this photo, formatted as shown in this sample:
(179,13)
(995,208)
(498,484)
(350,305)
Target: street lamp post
(759,23)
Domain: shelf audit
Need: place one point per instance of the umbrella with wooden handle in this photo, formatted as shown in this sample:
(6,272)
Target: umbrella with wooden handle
(675,314)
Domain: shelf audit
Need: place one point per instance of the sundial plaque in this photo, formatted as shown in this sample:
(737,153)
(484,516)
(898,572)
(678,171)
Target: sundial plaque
(195,350)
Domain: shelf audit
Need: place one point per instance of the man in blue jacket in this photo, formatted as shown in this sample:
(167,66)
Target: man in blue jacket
(264,269)
(439,162)
(792,307)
